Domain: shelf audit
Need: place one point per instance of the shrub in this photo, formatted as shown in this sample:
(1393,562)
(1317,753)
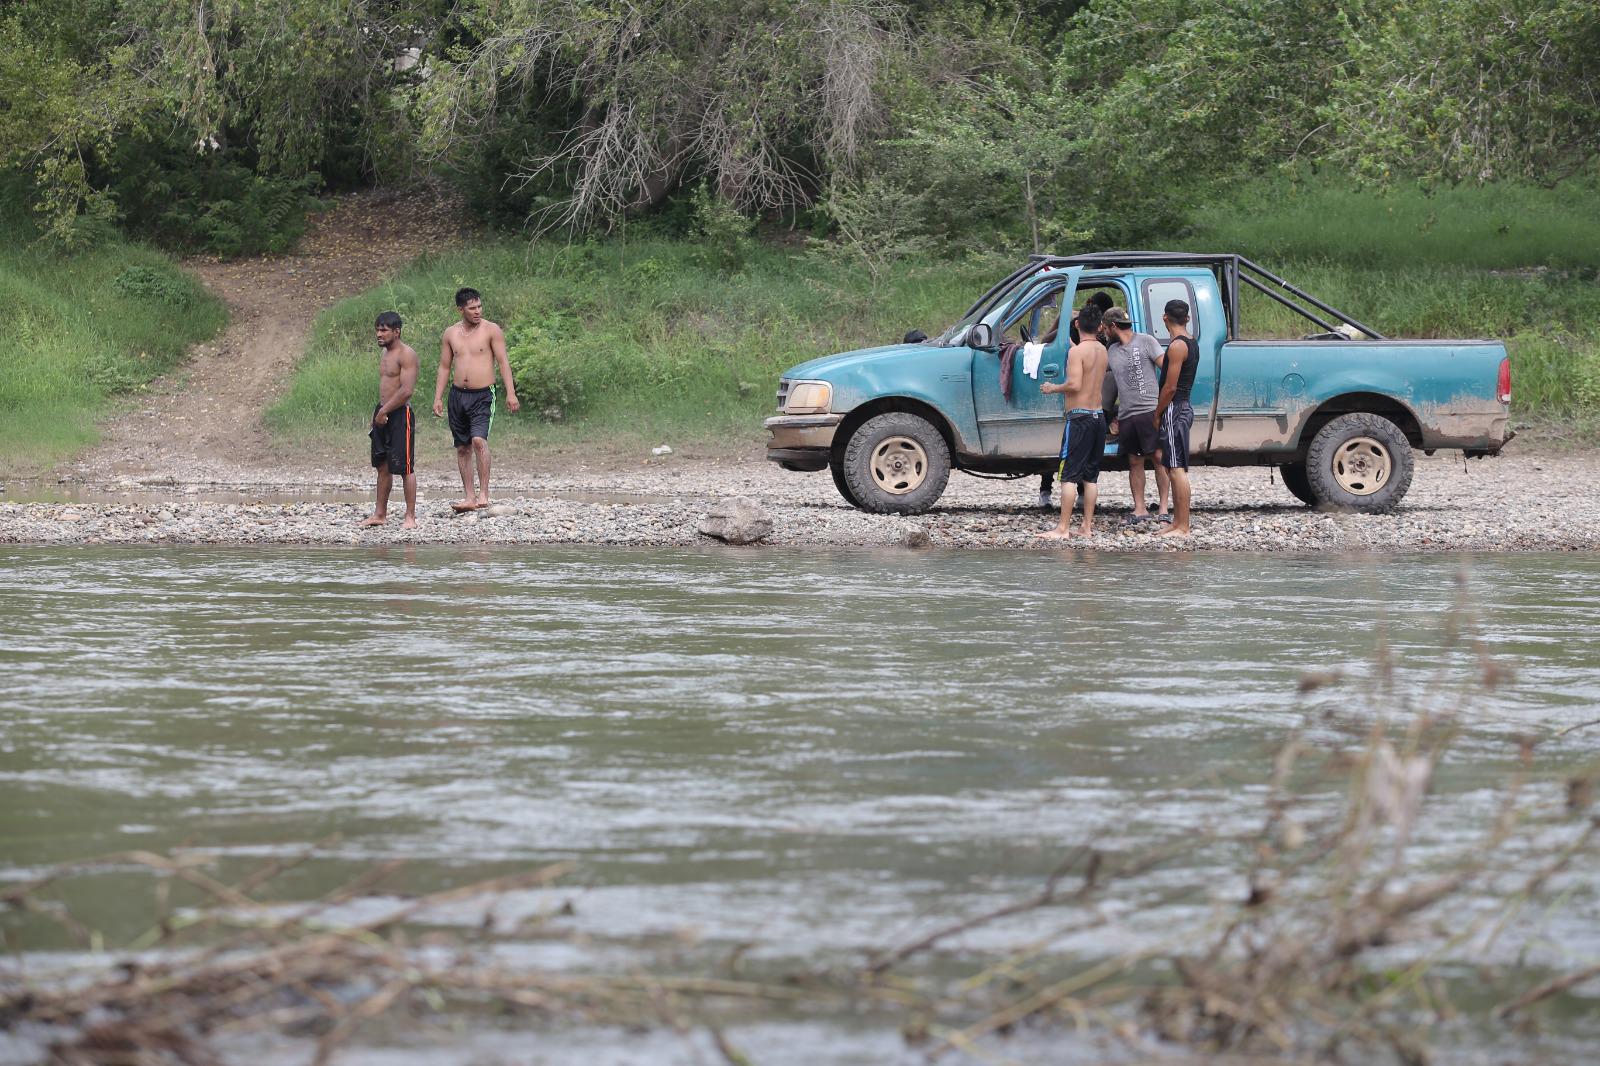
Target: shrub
(724,228)
(651,269)
(1586,380)
(214,202)
(147,283)
(545,369)
(878,224)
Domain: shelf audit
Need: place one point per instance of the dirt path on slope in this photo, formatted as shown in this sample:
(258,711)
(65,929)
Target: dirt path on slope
(204,422)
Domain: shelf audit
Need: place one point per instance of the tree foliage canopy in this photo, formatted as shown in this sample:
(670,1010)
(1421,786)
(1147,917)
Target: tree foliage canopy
(1011,122)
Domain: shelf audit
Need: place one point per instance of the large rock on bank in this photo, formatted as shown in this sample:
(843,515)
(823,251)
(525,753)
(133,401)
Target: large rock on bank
(739,520)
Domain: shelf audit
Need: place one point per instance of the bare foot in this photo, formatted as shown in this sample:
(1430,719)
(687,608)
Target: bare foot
(1053,534)
(462,506)
(410,522)
(1083,534)
(375,520)
(1174,533)
(483,501)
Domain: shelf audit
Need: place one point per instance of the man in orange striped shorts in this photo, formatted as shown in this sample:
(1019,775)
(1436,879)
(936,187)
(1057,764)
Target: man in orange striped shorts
(394,428)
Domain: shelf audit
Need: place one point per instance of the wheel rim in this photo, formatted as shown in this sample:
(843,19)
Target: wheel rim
(899,465)
(1362,465)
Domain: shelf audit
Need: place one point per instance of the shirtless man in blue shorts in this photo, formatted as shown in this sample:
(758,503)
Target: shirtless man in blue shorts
(1083,441)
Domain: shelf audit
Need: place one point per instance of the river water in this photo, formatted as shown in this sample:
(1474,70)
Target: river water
(809,752)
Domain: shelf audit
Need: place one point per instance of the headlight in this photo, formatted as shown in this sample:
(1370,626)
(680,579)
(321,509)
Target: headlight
(808,398)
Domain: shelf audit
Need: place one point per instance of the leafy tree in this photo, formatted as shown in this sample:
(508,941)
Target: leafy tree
(1002,123)
(1023,142)
(58,113)
(761,97)
(279,73)
(1469,90)
(272,82)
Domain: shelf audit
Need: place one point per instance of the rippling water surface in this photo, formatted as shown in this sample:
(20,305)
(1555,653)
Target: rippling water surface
(811,750)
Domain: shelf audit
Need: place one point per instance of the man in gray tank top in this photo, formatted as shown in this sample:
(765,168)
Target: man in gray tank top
(1133,384)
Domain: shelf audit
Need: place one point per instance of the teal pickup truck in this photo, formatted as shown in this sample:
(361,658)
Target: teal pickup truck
(1338,412)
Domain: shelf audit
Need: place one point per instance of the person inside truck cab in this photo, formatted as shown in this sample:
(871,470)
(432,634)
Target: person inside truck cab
(1101,299)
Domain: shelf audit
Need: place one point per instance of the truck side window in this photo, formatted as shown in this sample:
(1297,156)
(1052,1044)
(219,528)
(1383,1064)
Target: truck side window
(1039,322)
(1156,295)
(1090,290)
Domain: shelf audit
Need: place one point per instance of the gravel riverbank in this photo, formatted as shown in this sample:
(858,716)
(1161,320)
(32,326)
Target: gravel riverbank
(1516,503)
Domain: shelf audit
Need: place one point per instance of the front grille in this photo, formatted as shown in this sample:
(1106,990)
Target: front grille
(783,393)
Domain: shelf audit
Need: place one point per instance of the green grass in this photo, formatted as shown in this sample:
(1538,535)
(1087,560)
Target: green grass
(1510,262)
(77,330)
(636,342)
(1504,226)
(644,341)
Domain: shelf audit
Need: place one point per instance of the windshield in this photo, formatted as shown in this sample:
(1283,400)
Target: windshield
(958,332)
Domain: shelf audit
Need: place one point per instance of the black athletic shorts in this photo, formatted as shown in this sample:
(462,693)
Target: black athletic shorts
(1136,434)
(1083,443)
(471,414)
(395,442)
(1176,422)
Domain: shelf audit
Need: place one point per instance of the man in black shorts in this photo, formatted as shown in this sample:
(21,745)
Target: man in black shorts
(1174,415)
(394,427)
(469,353)
(1133,363)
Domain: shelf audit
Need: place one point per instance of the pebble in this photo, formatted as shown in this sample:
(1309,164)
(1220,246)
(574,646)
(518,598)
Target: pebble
(1509,504)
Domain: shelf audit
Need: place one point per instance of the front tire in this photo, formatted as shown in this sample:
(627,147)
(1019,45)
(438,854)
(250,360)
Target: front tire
(1360,462)
(836,468)
(896,463)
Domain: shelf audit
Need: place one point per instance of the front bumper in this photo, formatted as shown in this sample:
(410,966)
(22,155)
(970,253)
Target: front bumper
(801,437)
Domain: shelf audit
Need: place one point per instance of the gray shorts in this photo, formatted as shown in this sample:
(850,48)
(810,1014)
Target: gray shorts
(1176,422)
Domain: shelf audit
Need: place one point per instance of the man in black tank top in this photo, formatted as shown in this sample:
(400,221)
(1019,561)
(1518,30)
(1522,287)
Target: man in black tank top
(1174,415)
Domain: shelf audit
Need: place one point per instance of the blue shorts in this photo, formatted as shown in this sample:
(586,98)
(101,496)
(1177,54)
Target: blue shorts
(1083,443)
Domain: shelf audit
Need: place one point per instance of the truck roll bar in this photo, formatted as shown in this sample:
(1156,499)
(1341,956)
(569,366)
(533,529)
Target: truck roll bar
(1229,269)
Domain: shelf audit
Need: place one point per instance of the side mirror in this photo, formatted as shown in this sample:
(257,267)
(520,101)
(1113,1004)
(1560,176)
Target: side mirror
(981,335)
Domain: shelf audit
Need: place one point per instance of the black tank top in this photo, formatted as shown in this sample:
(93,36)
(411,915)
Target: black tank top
(1191,363)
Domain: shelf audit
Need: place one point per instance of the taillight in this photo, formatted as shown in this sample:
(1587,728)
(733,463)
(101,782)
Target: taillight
(1505,380)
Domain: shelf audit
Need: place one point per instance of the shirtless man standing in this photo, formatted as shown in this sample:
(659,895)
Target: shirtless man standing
(394,430)
(472,348)
(1083,441)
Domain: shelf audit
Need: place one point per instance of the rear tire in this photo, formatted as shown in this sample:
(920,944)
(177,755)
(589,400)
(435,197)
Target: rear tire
(1360,462)
(896,463)
(1296,480)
